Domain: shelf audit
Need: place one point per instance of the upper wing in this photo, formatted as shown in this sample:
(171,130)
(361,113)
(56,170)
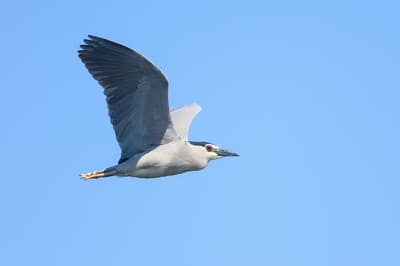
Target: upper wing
(182,118)
(136,91)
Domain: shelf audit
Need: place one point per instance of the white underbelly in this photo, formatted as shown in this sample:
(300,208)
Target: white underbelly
(159,171)
(169,159)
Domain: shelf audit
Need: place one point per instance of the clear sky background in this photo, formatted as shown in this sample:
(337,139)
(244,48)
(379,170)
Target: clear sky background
(307,92)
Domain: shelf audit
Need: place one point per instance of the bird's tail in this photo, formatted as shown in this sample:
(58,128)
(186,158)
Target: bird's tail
(98,174)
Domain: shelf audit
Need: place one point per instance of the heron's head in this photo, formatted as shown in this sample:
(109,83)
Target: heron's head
(212,151)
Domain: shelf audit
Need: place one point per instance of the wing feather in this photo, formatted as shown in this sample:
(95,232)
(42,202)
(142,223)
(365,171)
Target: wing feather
(136,93)
(182,118)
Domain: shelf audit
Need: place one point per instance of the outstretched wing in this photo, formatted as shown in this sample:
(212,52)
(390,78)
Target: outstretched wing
(136,93)
(182,118)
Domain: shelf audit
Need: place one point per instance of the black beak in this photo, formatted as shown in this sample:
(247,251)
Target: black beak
(225,153)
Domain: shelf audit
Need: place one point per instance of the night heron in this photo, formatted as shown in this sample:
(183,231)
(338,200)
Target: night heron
(153,140)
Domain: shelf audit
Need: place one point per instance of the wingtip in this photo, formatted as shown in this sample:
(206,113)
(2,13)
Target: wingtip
(91,39)
(198,106)
(94,37)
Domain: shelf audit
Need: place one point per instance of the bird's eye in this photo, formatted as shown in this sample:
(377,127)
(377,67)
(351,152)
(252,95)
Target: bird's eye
(209,147)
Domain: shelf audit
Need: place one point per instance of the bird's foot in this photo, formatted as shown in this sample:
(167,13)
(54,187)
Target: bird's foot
(92,175)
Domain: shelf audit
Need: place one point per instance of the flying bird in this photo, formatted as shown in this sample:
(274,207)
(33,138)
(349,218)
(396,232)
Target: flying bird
(153,139)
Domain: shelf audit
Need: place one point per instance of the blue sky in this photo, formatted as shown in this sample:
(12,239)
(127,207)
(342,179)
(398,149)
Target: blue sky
(307,92)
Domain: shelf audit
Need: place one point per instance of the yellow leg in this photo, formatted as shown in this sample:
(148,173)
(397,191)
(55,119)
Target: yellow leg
(92,175)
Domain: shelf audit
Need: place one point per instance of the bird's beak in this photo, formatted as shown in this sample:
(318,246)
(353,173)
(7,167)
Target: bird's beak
(225,153)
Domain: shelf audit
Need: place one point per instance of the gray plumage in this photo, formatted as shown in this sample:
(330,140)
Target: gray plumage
(153,140)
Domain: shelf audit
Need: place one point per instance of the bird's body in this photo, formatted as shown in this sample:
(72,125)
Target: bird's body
(169,159)
(153,140)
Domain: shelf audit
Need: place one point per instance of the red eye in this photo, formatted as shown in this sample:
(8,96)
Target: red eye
(209,147)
